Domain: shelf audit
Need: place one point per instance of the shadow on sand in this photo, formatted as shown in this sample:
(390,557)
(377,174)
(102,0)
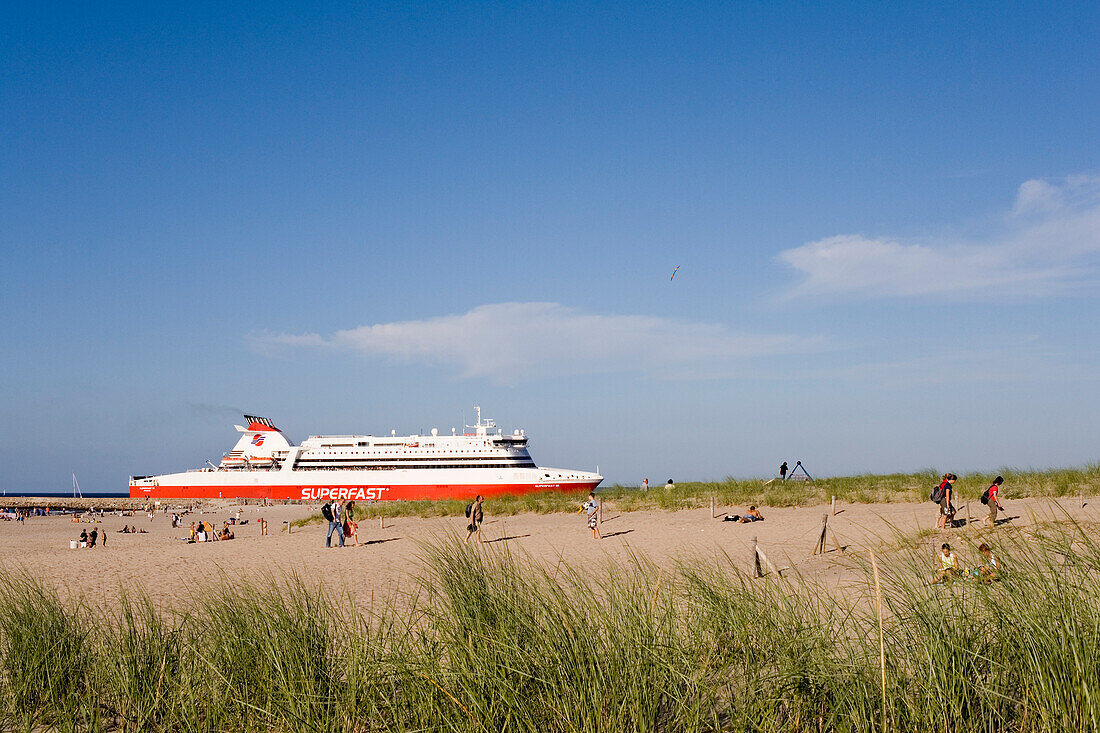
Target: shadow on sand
(505,539)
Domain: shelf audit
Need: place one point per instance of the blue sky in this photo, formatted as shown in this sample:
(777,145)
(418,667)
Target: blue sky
(364,217)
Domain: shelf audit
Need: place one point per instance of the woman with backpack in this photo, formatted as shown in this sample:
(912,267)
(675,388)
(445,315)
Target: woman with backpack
(989,498)
(944,492)
(477,516)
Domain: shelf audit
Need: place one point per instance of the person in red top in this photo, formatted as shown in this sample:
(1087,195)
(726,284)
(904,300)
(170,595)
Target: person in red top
(993,503)
(947,509)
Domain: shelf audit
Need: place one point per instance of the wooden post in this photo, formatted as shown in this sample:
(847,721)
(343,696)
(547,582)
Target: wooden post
(968,514)
(834,506)
(755,560)
(381,521)
(767,564)
(837,546)
(712,515)
(820,546)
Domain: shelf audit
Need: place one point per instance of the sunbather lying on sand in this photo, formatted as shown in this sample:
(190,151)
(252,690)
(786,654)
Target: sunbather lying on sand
(752,515)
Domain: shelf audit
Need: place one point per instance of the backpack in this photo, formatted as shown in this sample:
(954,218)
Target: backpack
(937,494)
(326,511)
(469,510)
(985,496)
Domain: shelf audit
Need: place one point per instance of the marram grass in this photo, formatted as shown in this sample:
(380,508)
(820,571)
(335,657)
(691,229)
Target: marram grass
(495,641)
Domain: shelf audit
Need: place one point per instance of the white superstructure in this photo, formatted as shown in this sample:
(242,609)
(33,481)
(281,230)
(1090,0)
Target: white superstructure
(264,464)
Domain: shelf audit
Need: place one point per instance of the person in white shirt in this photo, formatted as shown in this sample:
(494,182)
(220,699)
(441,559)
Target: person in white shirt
(593,508)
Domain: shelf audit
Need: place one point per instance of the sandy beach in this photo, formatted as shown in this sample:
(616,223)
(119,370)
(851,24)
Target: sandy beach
(171,571)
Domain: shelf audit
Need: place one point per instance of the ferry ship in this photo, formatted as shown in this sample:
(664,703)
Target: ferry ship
(265,465)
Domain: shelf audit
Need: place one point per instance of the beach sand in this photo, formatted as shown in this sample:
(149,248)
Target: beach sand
(173,573)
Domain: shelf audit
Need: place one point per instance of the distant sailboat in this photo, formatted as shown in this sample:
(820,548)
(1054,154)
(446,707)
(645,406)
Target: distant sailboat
(76,488)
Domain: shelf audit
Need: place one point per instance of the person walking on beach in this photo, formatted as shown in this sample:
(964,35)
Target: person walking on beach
(338,518)
(93,537)
(645,484)
(670,486)
(989,498)
(945,490)
(783,470)
(477,515)
(593,508)
(351,528)
(327,511)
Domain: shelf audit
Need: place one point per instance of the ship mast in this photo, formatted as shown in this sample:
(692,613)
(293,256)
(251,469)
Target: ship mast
(481,428)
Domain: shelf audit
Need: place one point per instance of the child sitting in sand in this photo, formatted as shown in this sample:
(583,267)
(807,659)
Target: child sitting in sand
(989,570)
(949,565)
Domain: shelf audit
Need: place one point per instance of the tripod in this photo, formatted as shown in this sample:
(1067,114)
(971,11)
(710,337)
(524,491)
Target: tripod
(798,465)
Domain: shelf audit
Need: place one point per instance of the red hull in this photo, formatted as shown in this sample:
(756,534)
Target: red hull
(400,492)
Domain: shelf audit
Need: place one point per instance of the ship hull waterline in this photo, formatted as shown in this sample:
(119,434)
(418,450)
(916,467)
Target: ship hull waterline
(354,491)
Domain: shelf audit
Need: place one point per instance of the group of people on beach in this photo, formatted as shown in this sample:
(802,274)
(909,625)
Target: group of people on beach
(944,495)
(986,571)
(203,531)
(88,539)
(341,522)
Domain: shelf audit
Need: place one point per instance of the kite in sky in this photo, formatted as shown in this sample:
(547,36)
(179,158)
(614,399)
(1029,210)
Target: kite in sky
(674,273)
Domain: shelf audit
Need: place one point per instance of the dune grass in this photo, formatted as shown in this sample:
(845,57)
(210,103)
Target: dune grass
(492,641)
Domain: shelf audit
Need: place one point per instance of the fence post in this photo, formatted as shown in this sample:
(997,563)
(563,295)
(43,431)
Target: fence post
(820,546)
(755,560)
(834,506)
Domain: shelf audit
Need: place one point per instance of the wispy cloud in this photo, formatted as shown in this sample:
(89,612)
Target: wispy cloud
(1050,240)
(511,342)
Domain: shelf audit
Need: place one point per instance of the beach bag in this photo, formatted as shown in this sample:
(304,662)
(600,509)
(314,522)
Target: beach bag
(326,511)
(469,510)
(985,496)
(937,494)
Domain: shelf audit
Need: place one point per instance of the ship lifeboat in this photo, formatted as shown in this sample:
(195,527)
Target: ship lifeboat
(260,462)
(233,462)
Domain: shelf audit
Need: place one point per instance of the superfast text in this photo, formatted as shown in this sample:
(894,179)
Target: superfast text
(360,493)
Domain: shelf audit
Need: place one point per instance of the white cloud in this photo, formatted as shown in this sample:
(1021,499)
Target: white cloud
(1050,241)
(511,342)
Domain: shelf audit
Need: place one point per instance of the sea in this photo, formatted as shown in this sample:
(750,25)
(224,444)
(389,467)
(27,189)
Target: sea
(65,494)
